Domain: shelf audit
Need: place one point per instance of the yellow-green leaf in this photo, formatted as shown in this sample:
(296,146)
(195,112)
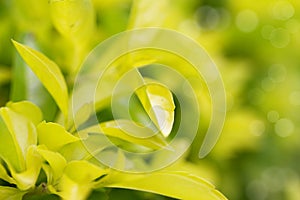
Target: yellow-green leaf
(18,134)
(10,152)
(56,163)
(27,109)
(128,131)
(73,18)
(27,178)
(54,136)
(10,193)
(179,185)
(158,102)
(48,73)
(4,176)
(78,180)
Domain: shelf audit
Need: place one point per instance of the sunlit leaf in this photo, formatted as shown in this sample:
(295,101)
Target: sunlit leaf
(27,86)
(178,185)
(18,134)
(27,109)
(158,102)
(20,127)
(10,152)
(10,193)
(48,73)
(78,180)
(128,131)
(54,136)
(56,163)
(27,178)
(4,176)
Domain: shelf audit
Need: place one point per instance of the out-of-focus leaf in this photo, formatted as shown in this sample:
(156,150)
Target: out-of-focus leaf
(83,114)
(48,73)
(5,75)
(158,102)
(73,18)
(54,136)
(78,180)
(128,131)
(27,178)
(27,109)
(180,185)
(10,193)
(74,151)
(147,13)
(56,163)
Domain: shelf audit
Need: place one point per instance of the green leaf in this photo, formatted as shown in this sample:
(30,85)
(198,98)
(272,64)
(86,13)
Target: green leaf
(180,185)
(10,193)
(79,179)
(158,102)
(128,131)
(54,136)
(48,73)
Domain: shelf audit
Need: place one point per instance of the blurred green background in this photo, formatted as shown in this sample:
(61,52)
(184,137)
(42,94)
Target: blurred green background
(255,44)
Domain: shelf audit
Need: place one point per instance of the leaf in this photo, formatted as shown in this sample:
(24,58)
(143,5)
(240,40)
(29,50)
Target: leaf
(180,185)
(27,178)
(4,176)
(10,152)
(74,151)
(56,163)
(54,136)
(27,109)
(134,133)
(18,133)
(78,180)
(10,193)
(158,102)
(20,128)
(27,86)
(73,19)
(48,73)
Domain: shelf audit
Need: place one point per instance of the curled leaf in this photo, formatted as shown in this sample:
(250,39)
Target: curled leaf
(158,102)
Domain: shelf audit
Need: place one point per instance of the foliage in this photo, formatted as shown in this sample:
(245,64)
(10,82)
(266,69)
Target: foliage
(42,153)
(254,44)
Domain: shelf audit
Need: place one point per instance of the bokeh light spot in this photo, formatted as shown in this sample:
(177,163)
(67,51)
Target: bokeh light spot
(247,21)
(283,10)
(280,38)
(284,127)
